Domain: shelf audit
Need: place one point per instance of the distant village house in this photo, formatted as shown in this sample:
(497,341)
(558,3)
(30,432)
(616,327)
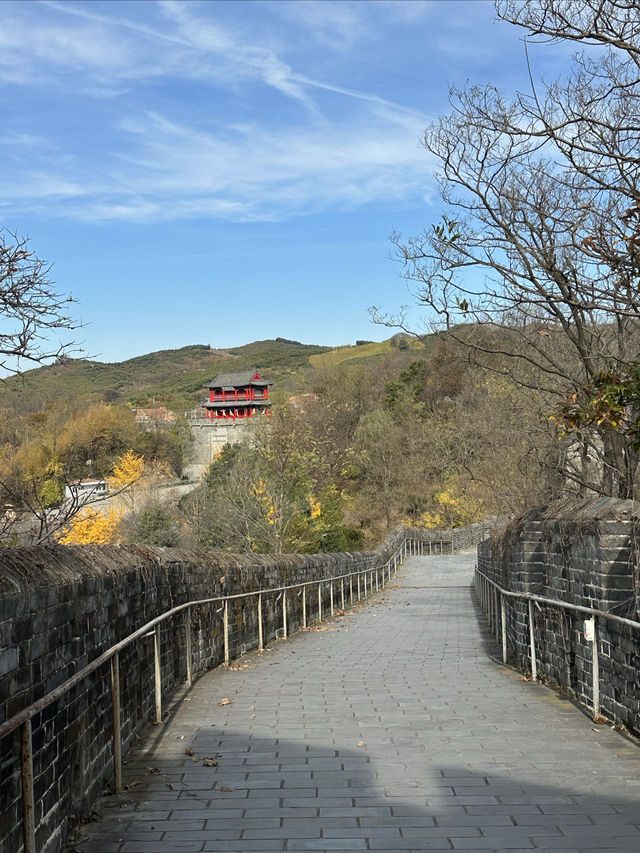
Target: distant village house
(83,491)
(154,416)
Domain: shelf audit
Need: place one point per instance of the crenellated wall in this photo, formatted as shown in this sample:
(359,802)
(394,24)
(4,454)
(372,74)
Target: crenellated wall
(585,553)
(61,607)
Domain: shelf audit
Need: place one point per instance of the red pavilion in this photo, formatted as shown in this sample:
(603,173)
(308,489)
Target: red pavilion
(237,395)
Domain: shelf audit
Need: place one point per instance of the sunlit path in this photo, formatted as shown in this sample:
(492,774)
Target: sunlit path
(397,730)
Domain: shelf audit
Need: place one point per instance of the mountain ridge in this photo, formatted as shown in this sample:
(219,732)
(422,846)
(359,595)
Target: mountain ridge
(172,377)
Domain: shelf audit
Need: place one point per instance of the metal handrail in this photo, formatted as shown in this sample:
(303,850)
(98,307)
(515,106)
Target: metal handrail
(488,592)
(557,602)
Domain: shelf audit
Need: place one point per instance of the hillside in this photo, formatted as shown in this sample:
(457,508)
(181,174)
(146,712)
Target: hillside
(170,377)
(175,378)
(366,351)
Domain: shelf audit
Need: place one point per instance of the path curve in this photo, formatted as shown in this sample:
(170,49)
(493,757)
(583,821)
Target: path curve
(396,730)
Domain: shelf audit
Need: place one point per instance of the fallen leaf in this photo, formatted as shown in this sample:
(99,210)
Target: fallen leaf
(189,752)
(225,701)
(526,678)
(210,762)
(154,770)
(361,743)
(224,788)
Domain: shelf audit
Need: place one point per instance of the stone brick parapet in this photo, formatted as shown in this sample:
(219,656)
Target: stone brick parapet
(584,553)
(62,607)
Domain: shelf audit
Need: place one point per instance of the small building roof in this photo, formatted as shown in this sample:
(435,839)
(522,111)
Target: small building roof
(238,379)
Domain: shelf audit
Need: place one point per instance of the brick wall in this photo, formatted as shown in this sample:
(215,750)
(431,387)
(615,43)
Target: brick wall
(584,553)
(61,607)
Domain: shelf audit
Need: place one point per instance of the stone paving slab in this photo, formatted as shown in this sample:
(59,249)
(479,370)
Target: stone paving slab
(396,730)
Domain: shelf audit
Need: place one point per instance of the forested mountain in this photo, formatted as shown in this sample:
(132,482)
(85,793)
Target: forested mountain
(173,378)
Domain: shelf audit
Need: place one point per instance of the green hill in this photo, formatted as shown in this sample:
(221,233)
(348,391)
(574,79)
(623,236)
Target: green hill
(175,378)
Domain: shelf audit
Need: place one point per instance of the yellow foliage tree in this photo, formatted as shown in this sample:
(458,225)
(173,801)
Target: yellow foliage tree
(127,472)
(92,527)
(452,509)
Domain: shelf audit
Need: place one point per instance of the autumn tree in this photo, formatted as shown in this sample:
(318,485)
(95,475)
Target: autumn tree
(273,494)
(124,481)
(91,526)
(535,264)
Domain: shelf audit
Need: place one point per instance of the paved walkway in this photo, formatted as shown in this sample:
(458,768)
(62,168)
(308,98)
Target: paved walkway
(395,731)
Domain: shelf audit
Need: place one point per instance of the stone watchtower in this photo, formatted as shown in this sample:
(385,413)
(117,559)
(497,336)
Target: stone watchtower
(232,400)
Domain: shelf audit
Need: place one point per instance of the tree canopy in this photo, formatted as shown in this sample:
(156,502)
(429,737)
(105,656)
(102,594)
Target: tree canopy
(535,264)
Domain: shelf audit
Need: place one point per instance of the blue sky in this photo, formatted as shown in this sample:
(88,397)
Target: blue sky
(222,172)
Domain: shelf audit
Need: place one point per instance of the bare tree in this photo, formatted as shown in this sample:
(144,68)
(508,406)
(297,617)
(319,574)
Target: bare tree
(535,265)
(32,312)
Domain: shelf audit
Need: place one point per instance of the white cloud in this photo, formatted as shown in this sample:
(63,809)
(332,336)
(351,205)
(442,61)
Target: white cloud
(249,173)
(315,144)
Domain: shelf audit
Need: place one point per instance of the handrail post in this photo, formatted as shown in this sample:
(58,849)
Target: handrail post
(28,810)
(157,673)
(364,580)
(284,614)
(304,606)
(117,742)
(187,650)
(358,580)
(320,602)
(351,590)
(377,580)
(342,593)
(226,631)
(497,621)
(503,619)
(595,670)
(331,596)
(260,634)
(532,644)
(487,606)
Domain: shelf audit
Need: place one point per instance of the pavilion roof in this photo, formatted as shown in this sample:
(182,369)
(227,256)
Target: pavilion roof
(238,379)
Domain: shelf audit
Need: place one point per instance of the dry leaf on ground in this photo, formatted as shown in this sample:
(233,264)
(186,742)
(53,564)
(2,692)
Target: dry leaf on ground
(210,762)
(361,743)
(224,788)
(225,701)
(189,752)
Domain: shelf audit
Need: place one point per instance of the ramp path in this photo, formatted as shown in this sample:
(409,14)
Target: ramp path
(396,730)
